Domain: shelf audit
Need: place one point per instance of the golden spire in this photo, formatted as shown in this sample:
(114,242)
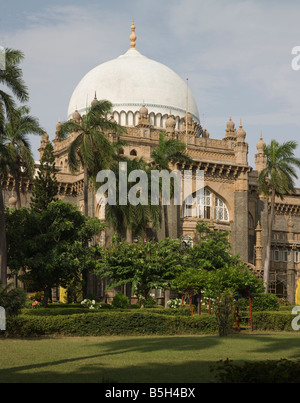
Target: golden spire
(133,35)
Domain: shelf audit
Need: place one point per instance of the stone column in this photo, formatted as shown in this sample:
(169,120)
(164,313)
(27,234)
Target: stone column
(258,249)
(291,274)
(263,215)
(240,225)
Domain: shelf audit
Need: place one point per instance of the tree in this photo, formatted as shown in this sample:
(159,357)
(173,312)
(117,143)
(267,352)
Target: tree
(17,128)
(234,279)
(53,250)
(12,79)
(128,218)
(212,252)
(168,151)
(277,180)
(45,187)
(145,265)
(224,286)
(191,281)
(91,149)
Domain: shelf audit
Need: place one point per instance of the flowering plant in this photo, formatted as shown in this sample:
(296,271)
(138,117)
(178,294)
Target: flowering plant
(35,304)
(174,303)
(90,304)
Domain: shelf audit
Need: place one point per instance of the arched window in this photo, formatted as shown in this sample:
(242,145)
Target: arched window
(133,152)
(221,211)
(201,207)
(130,121)
(206,205)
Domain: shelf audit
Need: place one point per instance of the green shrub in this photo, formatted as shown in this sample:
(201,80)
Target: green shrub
(278,321)
(184,311)
(174,303)
(275,371)
(150,302)
(265,302)
(74,320)
(104,305)
(156,307)
(120,301)
(109,322)
(12,300)
(37,296)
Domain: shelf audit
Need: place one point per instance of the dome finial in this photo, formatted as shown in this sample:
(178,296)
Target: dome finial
(132,36)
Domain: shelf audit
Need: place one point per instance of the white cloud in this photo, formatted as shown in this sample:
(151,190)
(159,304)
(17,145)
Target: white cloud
(236,54)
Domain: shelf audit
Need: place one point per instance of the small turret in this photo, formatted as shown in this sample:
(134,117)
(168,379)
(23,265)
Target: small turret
(170,125)
(260,157)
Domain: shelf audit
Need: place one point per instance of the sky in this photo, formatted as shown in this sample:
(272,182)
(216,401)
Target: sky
(237,56)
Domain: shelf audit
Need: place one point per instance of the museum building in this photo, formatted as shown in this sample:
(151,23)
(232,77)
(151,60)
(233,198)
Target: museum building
(148,98)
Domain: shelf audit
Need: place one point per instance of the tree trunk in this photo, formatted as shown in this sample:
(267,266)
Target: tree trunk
(166,217)
(18,195)
(86,213)
(85,191)
(128,235)
(3,246)
(47,296)
(268,248)
(199,303)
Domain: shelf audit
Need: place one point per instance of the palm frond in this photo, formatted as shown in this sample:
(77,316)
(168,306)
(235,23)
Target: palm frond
(12,76)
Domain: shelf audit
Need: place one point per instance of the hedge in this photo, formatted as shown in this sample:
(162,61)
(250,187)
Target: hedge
(131,322)
(55,310)
(278,321)
(109,323)
(269,371)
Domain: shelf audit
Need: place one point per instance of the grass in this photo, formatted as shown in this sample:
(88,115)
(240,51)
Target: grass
(143,359)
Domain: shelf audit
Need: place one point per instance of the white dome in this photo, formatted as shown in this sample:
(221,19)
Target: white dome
(130,81)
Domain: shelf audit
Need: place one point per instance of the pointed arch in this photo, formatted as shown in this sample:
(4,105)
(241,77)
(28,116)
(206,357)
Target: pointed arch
(206,204)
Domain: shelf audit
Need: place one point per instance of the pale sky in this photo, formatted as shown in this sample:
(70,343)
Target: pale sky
(236,54)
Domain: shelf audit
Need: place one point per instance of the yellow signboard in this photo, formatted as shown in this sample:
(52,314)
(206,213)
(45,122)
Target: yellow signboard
(297,296)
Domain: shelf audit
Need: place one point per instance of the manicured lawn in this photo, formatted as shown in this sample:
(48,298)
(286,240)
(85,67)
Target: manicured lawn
(136,359)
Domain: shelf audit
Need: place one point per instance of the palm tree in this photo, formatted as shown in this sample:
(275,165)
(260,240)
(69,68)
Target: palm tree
(132,219)
(168,151)
(277,180)
(12,79)
(17,127)
(91,149)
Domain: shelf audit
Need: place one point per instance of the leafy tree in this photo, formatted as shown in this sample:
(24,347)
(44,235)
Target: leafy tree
(12,299)
(45,187)
(191,281)
(212,251)
(12,80)
(168,151)
(277,180)
(236,279)
(224,286)
(145,265)
(128,217)
(53,250)
(211,268)
(91,148)
(17,128)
